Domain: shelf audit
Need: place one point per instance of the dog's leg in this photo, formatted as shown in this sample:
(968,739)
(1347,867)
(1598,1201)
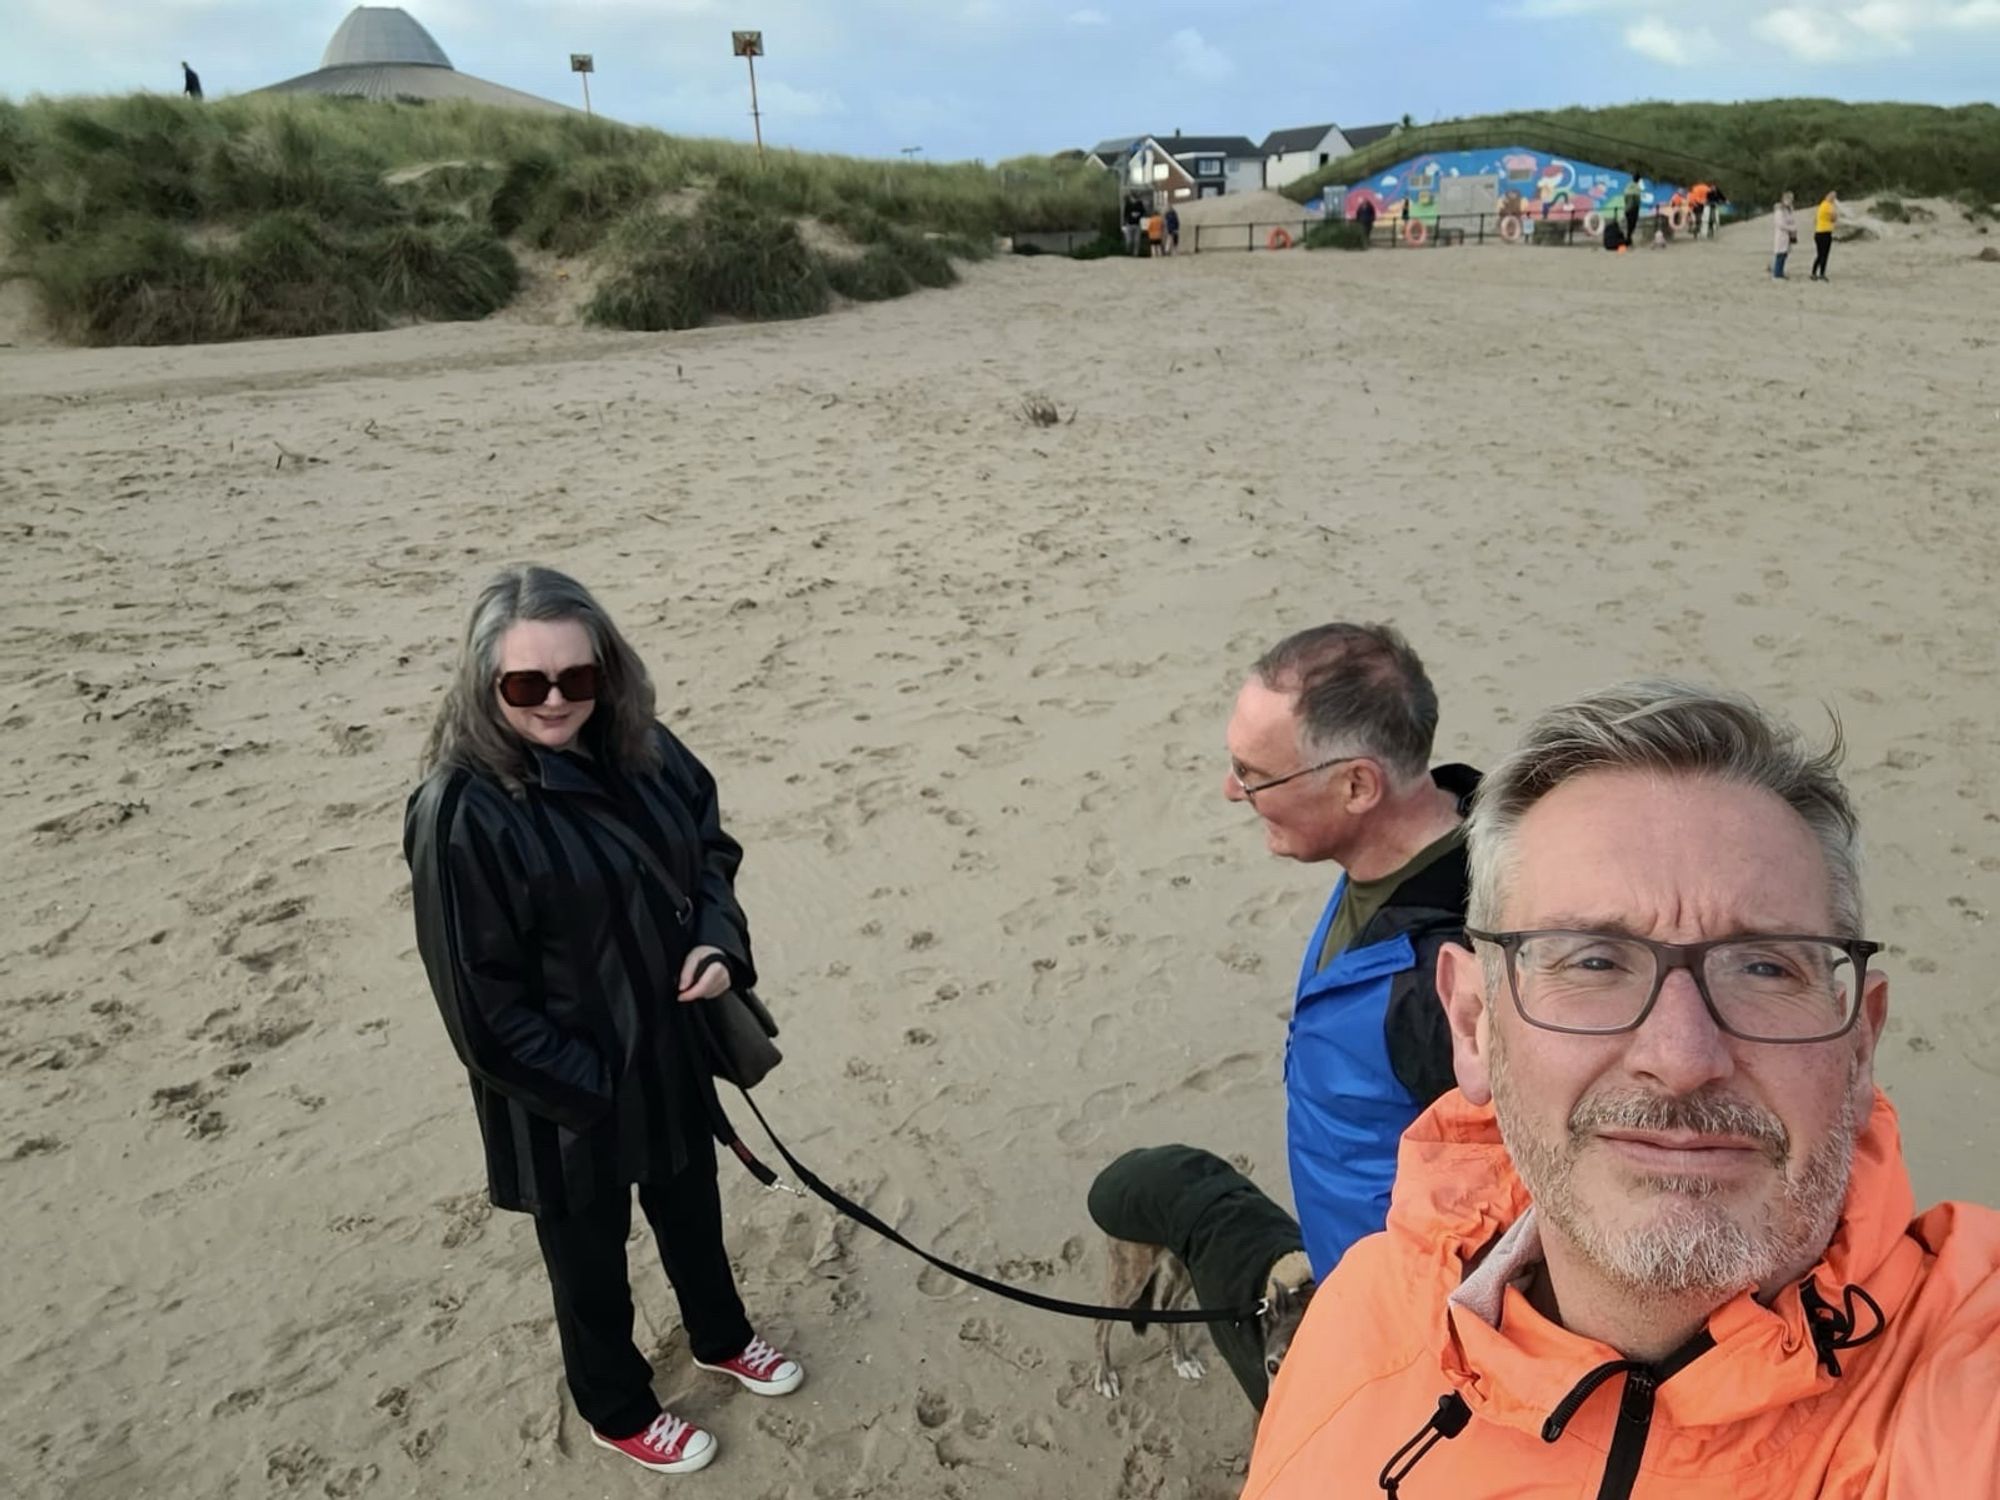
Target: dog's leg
(1128,1272)
(1176,1288)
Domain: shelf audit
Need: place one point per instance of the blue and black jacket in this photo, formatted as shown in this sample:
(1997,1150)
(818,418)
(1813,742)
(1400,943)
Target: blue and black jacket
(1369,1048)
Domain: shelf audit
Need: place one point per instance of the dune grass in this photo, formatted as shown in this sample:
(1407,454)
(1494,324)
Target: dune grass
(1336,234)
(1756,150)
(148,219)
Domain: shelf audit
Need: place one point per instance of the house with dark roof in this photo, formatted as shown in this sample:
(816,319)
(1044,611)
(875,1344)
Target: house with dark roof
(1178,166)
(1111,154)
(1361,136)
(1291,154)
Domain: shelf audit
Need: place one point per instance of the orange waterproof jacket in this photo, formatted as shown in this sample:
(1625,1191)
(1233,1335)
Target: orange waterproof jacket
(1802,1398)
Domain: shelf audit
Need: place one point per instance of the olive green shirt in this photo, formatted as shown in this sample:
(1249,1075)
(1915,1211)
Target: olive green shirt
(1364,898)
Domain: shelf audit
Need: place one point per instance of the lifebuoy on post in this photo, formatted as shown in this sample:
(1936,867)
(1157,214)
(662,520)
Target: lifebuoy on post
(1510,230)
(1414,232)
(1593,223)
(1277,239)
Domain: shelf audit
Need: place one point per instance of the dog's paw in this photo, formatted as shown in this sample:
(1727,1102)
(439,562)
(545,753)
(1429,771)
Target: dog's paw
(1189,1368)
(1105,1382)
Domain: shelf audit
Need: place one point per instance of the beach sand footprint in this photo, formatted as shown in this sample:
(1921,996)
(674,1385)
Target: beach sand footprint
(1099,1108)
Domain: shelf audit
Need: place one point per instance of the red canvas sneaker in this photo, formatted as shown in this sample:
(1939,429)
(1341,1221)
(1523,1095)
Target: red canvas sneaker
(668,1446)
(763,1369)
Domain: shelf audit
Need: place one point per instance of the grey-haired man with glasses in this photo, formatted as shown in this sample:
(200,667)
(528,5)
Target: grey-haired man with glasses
(1661,1240)
(1330,745)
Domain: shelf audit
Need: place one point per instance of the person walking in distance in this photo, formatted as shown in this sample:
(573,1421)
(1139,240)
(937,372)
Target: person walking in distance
(1173,230)
(1823,226)
(1784,235)
(190,81)
(1631,208)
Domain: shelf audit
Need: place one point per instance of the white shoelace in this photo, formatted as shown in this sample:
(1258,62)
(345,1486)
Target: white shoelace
(666,1432)
(760,1358)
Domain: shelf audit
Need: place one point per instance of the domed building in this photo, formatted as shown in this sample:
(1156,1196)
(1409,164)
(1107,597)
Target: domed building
(383,52)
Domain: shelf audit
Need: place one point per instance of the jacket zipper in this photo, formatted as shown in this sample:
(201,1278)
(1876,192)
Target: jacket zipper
(1628,1436)
(1635,1410)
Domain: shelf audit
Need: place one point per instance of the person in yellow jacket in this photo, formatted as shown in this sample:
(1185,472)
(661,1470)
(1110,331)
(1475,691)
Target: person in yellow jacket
(1823,223)
(1661,1241)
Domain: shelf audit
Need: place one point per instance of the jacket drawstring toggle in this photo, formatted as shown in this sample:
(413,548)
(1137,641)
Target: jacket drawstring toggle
(1833,1328)
(1448,1421)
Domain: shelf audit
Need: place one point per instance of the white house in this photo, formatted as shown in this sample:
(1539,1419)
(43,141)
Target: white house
(1304,149)
(1292,154)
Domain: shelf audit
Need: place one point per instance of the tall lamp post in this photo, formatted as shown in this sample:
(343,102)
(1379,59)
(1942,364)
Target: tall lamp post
(584,65)
(749,45)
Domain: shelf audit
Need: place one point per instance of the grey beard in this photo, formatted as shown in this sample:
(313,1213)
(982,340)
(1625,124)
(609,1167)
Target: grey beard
(1693,1244)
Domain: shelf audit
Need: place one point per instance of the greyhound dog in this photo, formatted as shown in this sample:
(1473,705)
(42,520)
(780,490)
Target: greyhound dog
(1137,1270)
(1209,1236)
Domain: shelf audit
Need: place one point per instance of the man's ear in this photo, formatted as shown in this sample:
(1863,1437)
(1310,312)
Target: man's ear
(1363,787)
(1874,1016)
(1461,987)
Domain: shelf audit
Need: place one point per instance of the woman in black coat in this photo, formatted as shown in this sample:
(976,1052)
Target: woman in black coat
(573,892)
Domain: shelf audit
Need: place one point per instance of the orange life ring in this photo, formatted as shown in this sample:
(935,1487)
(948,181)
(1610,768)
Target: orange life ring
(1277,239)
(1510,230)
(1414,232)
(1593,223)
(1677,218)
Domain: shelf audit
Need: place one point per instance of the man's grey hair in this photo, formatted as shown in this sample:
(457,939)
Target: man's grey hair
(1675,729)
(1361,690)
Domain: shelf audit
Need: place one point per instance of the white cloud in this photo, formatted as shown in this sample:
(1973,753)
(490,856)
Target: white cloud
(1809,35)
(1194,57)
(1889,22)
(1975,13)
(1088,17)
(1654,38)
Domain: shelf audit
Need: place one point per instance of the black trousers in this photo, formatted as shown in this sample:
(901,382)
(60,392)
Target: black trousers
(1823,247)
(609,1378)
(1631,222)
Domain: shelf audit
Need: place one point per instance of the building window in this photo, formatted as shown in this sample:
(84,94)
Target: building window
(1324,158)
(1208,166)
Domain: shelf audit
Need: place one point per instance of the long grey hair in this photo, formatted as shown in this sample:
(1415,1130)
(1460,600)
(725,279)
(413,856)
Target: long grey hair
(469,730)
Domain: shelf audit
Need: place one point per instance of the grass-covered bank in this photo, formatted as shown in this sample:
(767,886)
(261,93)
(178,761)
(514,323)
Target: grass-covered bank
(146,219)
(1756,149)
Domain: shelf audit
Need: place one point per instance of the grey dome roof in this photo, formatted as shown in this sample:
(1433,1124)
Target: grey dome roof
(382,36)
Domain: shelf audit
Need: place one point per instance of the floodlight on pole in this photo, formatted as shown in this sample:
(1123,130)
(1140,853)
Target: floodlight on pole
(584,64)
(910,152)
(749,45)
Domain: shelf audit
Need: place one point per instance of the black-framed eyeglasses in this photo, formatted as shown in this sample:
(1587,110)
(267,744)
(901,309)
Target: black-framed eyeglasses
(1777,987)
(1246,789)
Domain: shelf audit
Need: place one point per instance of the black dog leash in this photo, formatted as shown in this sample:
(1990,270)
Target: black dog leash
(841,1203)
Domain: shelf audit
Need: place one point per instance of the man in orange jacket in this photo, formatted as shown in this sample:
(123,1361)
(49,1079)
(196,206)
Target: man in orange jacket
(1661,1240)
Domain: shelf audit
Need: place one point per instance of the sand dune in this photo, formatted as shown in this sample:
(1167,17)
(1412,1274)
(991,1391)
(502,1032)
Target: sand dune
(963,681)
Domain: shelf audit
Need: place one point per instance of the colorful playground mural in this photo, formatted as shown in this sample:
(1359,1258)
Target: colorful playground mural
(1532,184)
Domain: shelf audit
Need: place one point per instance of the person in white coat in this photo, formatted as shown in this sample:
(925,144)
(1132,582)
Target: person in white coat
(1785,234)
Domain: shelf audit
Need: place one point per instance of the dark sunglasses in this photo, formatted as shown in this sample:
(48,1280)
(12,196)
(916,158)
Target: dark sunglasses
(531,689)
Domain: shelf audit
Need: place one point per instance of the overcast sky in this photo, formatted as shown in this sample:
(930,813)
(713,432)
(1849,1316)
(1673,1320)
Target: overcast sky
(994,78)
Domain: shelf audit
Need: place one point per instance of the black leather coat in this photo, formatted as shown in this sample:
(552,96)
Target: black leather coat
(553,926)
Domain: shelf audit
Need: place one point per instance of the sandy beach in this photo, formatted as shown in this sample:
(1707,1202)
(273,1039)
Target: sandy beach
(963,681)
